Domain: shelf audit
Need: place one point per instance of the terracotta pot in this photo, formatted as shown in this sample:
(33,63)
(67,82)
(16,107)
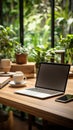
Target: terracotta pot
(21,58)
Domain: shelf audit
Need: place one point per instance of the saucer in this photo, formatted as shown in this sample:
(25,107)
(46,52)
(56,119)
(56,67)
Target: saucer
(12,83)
(6,74)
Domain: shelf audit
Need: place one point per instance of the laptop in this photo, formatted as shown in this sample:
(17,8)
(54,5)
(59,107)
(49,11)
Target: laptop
(51,81)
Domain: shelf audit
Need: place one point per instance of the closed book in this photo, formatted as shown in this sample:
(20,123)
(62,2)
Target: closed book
(4,81)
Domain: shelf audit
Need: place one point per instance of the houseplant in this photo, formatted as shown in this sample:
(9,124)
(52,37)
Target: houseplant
(21,54)
(7,42)
(42,53)
(67,43)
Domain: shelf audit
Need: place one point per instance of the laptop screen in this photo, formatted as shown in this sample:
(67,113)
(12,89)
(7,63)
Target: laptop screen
(52,76)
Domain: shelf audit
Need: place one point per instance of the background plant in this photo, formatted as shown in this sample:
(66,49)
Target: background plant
(64,18)
(8,41)
(37,29)
(67,43)
(37,19)
(10,14)
(21,49)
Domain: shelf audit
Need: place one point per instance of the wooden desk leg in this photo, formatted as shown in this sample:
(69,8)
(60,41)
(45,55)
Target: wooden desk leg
(45,124)
(22,115)
(31,119)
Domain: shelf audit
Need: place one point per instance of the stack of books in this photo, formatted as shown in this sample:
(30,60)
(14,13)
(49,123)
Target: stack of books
(4,81)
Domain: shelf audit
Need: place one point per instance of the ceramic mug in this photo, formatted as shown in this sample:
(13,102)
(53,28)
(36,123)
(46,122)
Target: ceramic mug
(6,65)
(18,77)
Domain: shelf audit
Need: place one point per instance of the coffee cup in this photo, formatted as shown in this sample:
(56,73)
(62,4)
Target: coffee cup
(6,65)
(18,77)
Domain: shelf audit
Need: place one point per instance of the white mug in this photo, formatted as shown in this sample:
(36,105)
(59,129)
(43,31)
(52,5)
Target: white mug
(6,65)
(18,77)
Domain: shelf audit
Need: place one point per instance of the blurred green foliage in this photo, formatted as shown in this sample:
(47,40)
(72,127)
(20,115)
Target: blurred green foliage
(37,21)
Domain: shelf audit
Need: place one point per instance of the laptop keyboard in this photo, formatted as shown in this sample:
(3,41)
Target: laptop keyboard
(43,90)
(38,92)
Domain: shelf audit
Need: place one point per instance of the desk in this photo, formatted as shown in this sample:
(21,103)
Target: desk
(48,109)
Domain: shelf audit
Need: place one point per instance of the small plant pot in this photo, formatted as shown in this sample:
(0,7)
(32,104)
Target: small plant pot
(21,58)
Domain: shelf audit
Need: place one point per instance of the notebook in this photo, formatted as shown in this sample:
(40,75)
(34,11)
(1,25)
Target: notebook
(51,81)
(3,81)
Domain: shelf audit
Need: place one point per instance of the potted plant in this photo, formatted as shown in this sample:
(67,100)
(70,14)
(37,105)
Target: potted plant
(42,53)
(7,42)
(67,43)
(21,54)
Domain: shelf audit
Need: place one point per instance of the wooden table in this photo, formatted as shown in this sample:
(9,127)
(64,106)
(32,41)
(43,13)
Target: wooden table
(48,109)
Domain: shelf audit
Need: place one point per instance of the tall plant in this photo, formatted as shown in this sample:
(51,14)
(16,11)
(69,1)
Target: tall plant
(37,26)
(10,14)
(63,18)
(7,42)
(67,43)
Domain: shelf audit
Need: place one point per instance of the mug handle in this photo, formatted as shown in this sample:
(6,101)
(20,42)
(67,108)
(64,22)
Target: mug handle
(25,78)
